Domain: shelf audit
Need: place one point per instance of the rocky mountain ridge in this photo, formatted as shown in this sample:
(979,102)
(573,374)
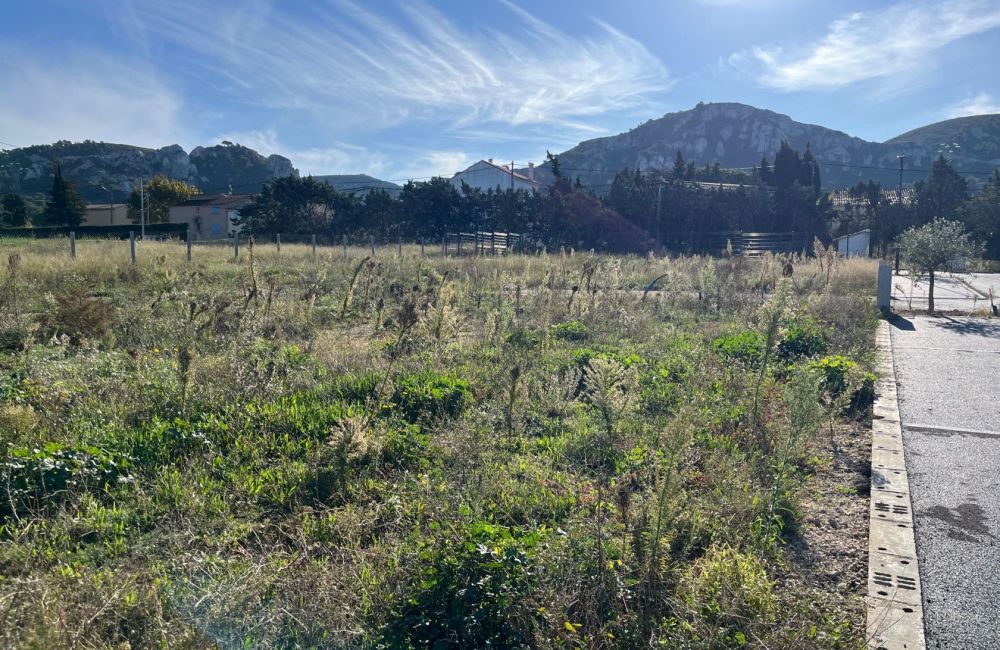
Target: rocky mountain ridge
(737,135)
(106,171)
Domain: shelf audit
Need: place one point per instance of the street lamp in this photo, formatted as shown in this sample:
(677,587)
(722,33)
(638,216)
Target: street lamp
(111,210)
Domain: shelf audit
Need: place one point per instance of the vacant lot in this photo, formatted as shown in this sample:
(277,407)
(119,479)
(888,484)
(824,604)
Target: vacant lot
(397,451)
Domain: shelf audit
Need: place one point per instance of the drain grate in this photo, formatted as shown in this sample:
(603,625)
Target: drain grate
(894,508)
(889,581)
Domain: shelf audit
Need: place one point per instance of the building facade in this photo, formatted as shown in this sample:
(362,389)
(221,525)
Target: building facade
(106,214)
(210,216)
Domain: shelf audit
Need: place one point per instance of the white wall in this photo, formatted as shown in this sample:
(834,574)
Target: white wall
(486,176)
(854,245)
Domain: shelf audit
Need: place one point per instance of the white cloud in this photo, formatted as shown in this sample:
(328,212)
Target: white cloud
(981,104)
(84,95)
(396,163)
(358,67)
(893,44)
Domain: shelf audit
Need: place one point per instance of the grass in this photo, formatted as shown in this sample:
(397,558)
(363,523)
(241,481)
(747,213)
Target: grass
(407,451)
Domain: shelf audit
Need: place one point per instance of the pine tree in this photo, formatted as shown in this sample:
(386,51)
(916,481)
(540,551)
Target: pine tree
(679,166)
(64,207)
(764,171)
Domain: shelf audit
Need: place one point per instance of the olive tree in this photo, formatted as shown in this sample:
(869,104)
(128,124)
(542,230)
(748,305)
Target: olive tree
(940,245)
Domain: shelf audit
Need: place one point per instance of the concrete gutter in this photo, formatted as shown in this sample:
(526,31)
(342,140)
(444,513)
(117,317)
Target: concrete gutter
(895,612)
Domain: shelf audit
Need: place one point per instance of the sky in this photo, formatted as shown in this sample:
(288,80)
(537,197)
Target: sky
(412,89)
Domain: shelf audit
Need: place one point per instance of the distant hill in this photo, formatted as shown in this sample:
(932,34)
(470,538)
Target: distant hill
(97,165)
(358,184)
(737,135)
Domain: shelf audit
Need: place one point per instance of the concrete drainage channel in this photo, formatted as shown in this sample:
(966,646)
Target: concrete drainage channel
(895,613)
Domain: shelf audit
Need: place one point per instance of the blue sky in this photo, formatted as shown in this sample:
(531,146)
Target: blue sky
(412,89)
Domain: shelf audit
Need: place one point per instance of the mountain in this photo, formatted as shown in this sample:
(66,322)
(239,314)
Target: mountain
(737,135)
(99,167)
(358,184)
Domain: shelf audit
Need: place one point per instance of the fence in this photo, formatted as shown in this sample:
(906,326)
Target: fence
(482,243)
(750,244)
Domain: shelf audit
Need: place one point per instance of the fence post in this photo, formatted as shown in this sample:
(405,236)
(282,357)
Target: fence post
(277,239)
(371,242)
(459,244)
(399,246)
(189,244)
(493,243)
(236,245)
(422,240)
(131,244)
(72,244)
(344,240)
(444,245)
(314,245)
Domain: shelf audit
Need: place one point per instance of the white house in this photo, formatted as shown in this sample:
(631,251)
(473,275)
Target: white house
(487,175)
(856,244)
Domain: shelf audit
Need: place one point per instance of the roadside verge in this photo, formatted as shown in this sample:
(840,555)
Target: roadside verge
(895,614)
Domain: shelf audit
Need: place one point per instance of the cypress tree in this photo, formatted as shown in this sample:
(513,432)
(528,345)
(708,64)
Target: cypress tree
(64,207)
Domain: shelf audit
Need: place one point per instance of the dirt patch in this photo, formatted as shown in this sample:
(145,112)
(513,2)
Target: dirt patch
(828,554)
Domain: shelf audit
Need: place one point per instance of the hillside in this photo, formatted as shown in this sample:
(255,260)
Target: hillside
(358,184)
(737,135)
(97,165)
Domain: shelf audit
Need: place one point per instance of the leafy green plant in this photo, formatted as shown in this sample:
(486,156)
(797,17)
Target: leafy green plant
(837,372)
(428,396)
(35,478)
(746,347)
(470,593)
(803,338)
(573,330)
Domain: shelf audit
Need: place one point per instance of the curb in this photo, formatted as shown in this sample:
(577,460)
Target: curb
(895,613)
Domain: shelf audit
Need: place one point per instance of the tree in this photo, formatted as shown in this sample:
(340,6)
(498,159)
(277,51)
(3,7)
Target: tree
(161,193)
(679,166)
(554,159)
(291,205)
(982,215)
(936,246)
(942,194)
(15,211)
(64,207)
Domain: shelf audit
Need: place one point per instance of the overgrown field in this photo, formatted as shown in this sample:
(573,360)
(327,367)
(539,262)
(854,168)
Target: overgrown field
(395,452)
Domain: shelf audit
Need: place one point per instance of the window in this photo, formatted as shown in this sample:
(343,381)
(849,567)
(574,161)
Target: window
(216,229)
(215,209)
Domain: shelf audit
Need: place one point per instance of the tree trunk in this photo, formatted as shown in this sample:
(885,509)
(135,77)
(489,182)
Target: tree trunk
(930,294)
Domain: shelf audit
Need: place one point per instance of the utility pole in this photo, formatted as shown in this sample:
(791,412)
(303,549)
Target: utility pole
(512,176)
(899,199)
(142,210)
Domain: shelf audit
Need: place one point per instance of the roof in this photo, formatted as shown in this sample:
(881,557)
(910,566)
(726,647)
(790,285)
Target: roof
(503,168)
(106,206)
(844,198)
(226,201)
(709,185)
(854,234)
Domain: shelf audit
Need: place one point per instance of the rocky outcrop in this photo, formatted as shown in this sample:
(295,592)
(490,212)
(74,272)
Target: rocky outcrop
(737,135)
(104,170)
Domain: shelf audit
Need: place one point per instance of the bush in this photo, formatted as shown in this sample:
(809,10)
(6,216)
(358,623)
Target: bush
(406,447)
(572,330)
(428,396)
(470,593)
(731,592)
(80,316)
(840,373)
(803,339)
(746,347)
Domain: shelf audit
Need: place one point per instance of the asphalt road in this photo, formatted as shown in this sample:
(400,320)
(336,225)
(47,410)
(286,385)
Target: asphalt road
(948,372)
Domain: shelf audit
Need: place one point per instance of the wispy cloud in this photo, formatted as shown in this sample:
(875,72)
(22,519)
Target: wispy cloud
(891,44)
(981,104)
(366,67)
(84,95)
(388,163)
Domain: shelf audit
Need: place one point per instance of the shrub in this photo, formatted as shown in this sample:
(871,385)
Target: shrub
(470,593)
(429,396)
(405,447)
(730,591)
(804,338)
(746,347)
(572,330)
(840,373)
(80,316)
